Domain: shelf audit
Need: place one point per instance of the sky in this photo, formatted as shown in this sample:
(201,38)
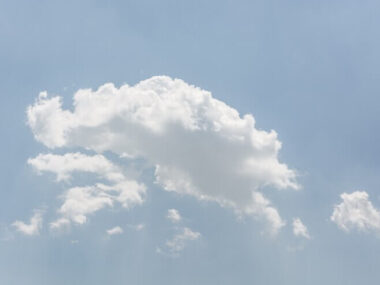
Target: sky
(189,142)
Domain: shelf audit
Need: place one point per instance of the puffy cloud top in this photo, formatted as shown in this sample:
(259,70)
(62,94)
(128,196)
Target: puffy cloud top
(356,212)
(198,145)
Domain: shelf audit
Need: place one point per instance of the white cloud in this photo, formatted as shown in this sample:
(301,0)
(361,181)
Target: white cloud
(180,240)
(174,216)
(356,212)
(115,231)
(60,224)
(78,202)
(263,209)
(299,229)
(198,145)
(64,165)
(34,226)
(81,201)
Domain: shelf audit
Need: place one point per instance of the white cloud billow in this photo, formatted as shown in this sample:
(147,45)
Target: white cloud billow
(115,231)
(80,201)
(356,212)
(299,229)
(34,226)
(198,145)
(174,216)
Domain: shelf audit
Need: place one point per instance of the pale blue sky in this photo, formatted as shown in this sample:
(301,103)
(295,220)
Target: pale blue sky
(307,69)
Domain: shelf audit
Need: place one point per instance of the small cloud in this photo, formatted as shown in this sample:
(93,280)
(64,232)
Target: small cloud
(60,224)
(115,231)
(180,240)
(174,216)
(139,227)
(356,212)
(34,226)
(299,229)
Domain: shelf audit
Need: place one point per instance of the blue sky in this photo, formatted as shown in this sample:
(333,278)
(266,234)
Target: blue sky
(308,70)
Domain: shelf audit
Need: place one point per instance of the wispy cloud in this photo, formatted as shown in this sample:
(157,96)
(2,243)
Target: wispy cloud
(115,231)
(33,227)
(81,201)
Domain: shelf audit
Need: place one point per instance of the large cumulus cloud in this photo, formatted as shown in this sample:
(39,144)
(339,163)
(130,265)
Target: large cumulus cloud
(197,144)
